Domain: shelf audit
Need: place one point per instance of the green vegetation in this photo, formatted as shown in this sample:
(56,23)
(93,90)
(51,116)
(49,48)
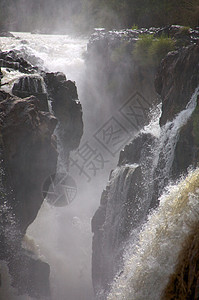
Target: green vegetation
(134,27)
(149,51)
(185,30)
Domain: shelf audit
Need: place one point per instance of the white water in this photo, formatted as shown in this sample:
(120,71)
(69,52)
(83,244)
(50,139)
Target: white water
(151,256)
(152,259)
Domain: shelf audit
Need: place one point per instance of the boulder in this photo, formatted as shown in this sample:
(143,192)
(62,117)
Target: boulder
(29,153)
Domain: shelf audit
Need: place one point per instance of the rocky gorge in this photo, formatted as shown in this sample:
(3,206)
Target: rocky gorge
(43,103)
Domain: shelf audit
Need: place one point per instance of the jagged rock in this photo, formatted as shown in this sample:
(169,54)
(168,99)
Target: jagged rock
(67,109)
(176,80)
(12,59)
(120,211)
(6,34)
(133,152)
(29,153)
(187,148)
(28,156)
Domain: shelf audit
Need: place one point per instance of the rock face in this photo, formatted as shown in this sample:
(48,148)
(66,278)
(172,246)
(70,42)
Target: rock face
(67,109)
(29,153)
(116,75)
(176,81)
(123,207)
(12,59)
(28,156)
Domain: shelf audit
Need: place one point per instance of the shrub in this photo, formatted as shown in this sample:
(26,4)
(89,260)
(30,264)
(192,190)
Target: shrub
(159,49)
(134,27)
(149,51)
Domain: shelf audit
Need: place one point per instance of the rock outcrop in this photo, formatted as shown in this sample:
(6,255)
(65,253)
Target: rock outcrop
(66,108)
(28,156)
(29,153)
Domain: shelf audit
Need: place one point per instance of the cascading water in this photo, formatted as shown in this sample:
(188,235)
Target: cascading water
(151,260)
(130,195)
(143,260)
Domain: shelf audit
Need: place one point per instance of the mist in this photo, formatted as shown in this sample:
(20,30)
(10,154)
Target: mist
(111,84)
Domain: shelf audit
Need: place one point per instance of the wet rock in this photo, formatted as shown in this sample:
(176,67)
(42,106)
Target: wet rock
(28,156)
(133,152)
(112,224)
(67,109)
(176,80)
(12,59)
(29,153)
(187,148)
(123,207)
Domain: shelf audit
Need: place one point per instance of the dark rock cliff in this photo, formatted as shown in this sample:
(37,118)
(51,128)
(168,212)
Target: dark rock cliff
(28,156)
(176,81)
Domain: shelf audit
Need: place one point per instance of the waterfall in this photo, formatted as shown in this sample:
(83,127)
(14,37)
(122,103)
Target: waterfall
(63,235)
(151,260)
(150,256)
(132,192)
